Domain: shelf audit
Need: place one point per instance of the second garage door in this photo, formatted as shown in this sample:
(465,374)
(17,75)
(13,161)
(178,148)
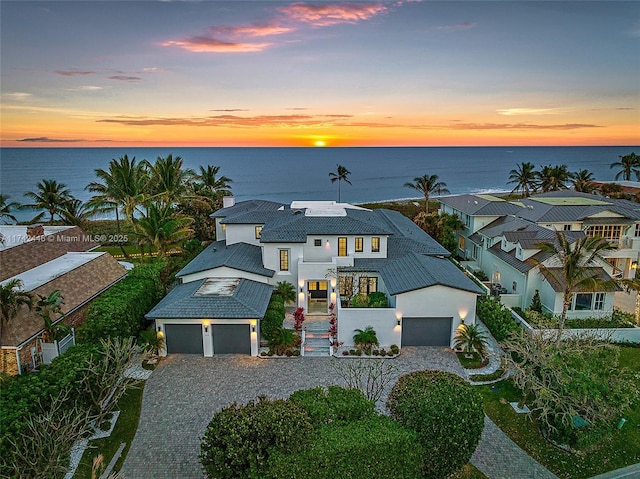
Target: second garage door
(426,331)
(231,338)
(184,338)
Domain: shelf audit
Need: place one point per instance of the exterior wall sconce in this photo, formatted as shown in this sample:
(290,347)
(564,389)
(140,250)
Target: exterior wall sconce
(301,289)
(253,328)
(159,329)
(206,328)
(398,321)
(333,289)
(634,265)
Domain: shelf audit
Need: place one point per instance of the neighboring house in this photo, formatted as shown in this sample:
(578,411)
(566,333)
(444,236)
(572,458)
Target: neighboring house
(49,259)
(330,252)
(505,249)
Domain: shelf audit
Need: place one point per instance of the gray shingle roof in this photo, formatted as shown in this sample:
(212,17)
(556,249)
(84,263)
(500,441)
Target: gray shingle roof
(240,256)
(246,206)
(480,205)
(415,271)
(556,279)
(249,300)
(294,227)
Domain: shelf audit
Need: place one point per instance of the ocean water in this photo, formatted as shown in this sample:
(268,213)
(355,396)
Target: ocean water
(286,174)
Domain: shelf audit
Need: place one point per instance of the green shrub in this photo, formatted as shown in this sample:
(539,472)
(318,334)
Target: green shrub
(360,301)
(377,300)
(374,448)
(273,317)
(447,414)
(239,439)
(119,311)
(334,404)
(496,317)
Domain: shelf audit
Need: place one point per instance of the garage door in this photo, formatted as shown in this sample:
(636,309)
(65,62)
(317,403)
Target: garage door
(426,331)
(183,338)
(231,338)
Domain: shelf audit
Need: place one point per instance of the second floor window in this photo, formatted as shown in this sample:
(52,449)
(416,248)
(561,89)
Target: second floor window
(342,246)
(608,232)
(258,232)
(223,227)
(375,244)
(284,260)
(359,244)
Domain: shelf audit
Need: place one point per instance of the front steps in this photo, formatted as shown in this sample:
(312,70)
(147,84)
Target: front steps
(317,340)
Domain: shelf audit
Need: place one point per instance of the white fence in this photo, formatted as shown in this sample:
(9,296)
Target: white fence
(615,335)
(50,351)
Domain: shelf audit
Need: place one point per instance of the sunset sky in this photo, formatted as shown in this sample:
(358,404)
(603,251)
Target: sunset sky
(213,73)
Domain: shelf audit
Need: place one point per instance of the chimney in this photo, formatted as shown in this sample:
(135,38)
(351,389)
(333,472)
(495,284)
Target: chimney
(34,231)
(228,201)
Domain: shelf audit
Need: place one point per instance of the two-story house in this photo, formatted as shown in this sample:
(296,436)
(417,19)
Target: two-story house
(508,253)
(330,252)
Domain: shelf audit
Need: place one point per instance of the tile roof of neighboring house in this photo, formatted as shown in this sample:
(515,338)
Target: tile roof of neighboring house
(77,286)
(25,256)
(415,271)
(240,256)
(557,282)
(249,300)
(568,206)
(480,205)
(243,207)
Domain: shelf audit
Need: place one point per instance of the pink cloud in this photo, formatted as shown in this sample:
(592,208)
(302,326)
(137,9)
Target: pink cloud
(203,44)
(325,15)
(254,30)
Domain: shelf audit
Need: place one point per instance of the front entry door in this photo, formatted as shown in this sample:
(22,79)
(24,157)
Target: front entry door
(318,292)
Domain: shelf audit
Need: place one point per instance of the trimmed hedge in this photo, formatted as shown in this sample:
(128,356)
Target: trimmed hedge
(334,404)
(119,311)
(374,448)
(445,412)
(273,317)
(239,439)
(496,317)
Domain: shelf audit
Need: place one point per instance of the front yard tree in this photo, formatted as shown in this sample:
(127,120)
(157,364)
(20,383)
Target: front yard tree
(49,195)
(579,377)
(470,338)
(163,228)
(286,290)
(576,263)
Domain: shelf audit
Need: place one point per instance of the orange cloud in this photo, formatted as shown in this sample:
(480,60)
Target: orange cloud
(325,15)
(229,120)
(254,30)
(202,44)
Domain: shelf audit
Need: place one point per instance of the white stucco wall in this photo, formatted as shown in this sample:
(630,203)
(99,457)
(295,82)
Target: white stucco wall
(224,272)
(242,234)
(329,248)
(438,301)
(383,320)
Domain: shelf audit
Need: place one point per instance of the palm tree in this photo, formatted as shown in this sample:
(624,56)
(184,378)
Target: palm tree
(286,290)
(524,177)
(553,178)
(6,208)
(341,174)
(470,338)
(628,164)
(427,185)
(11,298)
(162,228)
(583,181)
(577,263)
(49,308)
(169,180)
(120,188)
(365,338)
(50,196)
(209,185)
(75,213)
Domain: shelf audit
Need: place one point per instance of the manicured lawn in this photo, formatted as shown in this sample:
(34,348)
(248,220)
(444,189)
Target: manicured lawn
(620,449)
(474,362)
(129,406)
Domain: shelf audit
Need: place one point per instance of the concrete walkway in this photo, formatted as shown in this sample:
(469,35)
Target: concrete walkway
(184,392)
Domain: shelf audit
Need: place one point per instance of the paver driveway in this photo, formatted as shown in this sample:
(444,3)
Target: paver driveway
(184,392)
